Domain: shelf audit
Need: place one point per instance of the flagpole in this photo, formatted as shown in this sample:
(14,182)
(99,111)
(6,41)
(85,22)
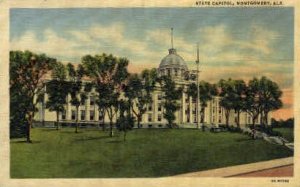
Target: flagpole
(198,91)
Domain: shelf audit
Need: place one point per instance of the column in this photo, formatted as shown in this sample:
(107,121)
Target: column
(87,108)
(96,112)
(191,110)
(154,104)
(69,108)
(183,115)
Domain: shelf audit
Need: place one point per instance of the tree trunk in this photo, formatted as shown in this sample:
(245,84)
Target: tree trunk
(261,119)
(103,118)
(29,124)
(57,119)
(238,119)
(139,121)
(202,115)
(266,118)
(76,128)
(227,112)
(111,134)
(253,121)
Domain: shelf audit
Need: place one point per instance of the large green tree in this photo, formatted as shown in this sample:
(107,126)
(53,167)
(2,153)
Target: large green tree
(78,90)
(57,90)
(125,121)
(171,96)
(109,74)
(27,71)
(239,98)
(233,97)
(226,93)
(269,94)
(207,91)
(139,90)
(252,104)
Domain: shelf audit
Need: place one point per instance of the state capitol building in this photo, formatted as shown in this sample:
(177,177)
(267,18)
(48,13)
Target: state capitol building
(172,65)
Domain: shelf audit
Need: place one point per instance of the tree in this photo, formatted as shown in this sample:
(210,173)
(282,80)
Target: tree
(262,96)
(226,101)
(252,105)
(207,91)
(269,98)
(138,91)
(27,71)
(239,98)
(233,94)
(109,74)
(171,96)
(125,121)
(77,89)
(57,90)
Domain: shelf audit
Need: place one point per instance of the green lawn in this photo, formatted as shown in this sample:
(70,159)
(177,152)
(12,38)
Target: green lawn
(287,133)
(146,153)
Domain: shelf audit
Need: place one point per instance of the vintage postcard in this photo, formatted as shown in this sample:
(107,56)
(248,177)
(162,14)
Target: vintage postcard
(193,93)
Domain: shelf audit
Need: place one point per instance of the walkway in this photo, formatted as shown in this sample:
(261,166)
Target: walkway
(279,167)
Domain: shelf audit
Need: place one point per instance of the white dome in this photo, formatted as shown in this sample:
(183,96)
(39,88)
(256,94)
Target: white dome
(173,60)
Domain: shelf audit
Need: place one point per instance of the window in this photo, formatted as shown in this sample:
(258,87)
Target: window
(220,119)
(195,119)
(159,97)
(169,72)
(150,107)
(92,100)
(176,72)
(188,119)
(63,115)
(73,115)
(82,115)
(187,100)
(159,117)
(149,117)
(92,115)
(159,107)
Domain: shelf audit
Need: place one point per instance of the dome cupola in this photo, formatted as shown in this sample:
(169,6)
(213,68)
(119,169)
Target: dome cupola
(173,64)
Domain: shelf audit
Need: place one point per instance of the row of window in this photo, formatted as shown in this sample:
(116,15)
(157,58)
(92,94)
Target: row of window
(82,116)
(176,71)
(159,117)
(159,108)
(92,101)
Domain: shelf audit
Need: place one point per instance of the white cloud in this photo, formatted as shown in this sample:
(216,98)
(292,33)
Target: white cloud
(112,39)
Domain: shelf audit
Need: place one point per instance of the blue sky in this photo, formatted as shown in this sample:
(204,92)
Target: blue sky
(234,42)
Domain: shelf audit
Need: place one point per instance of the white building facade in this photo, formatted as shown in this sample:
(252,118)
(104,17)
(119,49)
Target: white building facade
(172,65)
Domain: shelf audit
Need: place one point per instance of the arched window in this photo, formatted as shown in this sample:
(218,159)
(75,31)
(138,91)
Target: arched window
(169,72)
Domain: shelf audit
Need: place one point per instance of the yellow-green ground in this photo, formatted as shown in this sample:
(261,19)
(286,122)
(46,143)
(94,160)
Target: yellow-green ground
(146,153)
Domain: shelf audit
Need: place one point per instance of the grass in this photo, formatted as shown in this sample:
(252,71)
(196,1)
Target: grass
(146,153)
(287,133)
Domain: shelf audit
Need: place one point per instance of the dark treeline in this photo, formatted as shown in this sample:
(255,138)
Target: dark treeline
(282,123)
